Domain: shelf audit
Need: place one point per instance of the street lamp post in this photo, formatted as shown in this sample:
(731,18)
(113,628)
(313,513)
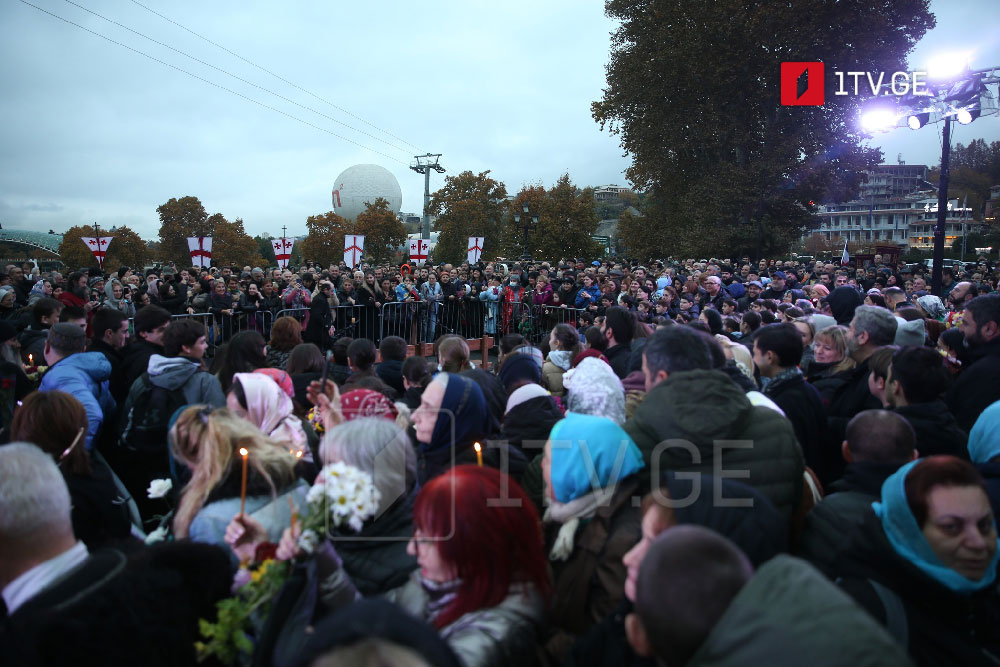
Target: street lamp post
(937,271)
(530,221)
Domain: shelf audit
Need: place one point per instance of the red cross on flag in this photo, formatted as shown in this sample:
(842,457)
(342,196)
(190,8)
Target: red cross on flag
(282,251)
(99,246)
(418,250)
(353,245)
(475,248)
(201,250)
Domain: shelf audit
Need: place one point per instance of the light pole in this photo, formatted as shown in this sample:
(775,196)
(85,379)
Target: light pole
(530,220)
(953,93)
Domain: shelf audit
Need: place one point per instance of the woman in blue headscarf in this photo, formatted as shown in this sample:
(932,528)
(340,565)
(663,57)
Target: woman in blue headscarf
(451,419)
(984,450)
(924,563)
(589,467)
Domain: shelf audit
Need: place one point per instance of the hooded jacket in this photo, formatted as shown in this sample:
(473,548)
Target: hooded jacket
(706,408)
(84,375)
(127,308)
(174,373)
(789,614)
(135,359)
(843,301)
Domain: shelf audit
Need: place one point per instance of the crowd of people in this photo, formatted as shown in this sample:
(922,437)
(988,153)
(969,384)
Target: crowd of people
(681,463)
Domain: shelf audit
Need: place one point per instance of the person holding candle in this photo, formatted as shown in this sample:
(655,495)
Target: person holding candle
(208,442)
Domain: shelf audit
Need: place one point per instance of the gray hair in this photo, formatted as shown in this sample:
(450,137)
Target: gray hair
(379,447)
(34,499)
(877,322)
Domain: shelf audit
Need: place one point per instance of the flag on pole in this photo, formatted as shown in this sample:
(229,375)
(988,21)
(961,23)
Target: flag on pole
(353,245)
(282,251)
(419,250)
(99,246)
(201,250)
(845,259)
(475,248)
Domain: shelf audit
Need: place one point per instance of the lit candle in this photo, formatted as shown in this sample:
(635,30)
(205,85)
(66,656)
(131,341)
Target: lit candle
(243,486)
(479,454)
(31,360)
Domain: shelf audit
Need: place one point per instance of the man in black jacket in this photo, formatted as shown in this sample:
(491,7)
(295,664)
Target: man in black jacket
(44,314)
(619,328)
(916,381)
(150,323)
(977,386)
(110,329)
(777,352)
(871,328)
(878,443)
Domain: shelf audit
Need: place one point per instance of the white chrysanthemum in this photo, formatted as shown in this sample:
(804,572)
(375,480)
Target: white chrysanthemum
(157,535)
(159,488)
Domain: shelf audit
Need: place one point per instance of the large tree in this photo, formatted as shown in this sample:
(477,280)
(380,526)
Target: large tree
(567,220)
(126,248)
(693,92)
(231,245)
(384,233)
(325,242)
(468,205)
(179,219)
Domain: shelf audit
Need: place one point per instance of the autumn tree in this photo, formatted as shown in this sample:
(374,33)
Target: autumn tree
(126,248)
(384,233)
(567,220)
(325,241)
(231,245)
(635,237)
(693,91)
(179,219)
(468,205)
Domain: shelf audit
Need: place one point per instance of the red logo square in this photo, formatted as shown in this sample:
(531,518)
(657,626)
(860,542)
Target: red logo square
(802,84)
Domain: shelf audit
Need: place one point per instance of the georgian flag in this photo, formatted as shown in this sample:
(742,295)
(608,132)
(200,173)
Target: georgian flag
(99,246)
(201,250)
(353,245)
(475,248)
(845,259)
(282,251)
(418,250)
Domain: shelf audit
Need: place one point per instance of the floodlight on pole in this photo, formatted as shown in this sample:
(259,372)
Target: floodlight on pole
(878,120)
(424,164)
(918,120)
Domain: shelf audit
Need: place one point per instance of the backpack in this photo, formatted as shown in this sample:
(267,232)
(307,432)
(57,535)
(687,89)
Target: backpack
(145,425)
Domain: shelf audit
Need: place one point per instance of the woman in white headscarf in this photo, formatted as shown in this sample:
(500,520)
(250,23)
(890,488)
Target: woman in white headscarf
(259,399)
(592,388)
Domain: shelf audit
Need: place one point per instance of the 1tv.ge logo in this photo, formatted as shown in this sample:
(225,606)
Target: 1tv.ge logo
(803,84)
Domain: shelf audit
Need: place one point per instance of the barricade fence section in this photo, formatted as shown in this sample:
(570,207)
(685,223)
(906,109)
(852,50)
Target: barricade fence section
(417,322)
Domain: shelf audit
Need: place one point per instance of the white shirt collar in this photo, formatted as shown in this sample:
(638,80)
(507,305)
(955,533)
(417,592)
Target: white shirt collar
(40,577)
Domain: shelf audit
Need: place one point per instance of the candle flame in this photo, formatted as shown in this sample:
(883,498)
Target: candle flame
(296,454)
(243,451)
(31,359)
(478,447)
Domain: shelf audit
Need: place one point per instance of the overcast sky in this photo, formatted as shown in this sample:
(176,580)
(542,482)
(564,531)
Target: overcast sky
(94,131)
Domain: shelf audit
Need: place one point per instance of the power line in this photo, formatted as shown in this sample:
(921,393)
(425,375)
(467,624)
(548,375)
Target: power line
(238,78)
(277,76)
(212,83)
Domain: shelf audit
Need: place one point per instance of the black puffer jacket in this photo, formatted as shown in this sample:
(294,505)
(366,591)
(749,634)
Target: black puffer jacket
(976,387)
(376,558)
(802,404)
(936,429)
(833,520)
(706,408)
(531,422)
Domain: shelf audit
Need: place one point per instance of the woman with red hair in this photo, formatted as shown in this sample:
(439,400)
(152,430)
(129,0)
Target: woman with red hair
(482,579)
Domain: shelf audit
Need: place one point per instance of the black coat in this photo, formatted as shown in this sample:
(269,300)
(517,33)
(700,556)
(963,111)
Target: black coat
(976,387)
(803,405)
(944,628)
(936,429)
(619,357)
(528,424)
(991,475)
(391,372)
(135,359)
(32,342)
(117,384)
(833,520)
(376,558)
(99,515)
(851,398)
(826,381)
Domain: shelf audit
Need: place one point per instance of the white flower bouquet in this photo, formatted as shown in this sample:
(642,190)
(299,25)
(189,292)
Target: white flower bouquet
(341,496)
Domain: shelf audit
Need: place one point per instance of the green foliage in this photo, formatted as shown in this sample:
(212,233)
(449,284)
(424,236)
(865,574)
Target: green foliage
(125,248)
(383,231)
(693,92)
(567,219)
(227,638)
(468,205)
(325,242)
(179,219)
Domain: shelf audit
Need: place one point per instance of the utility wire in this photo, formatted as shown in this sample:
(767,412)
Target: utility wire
(277,76)
(238,78)
(212,83)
